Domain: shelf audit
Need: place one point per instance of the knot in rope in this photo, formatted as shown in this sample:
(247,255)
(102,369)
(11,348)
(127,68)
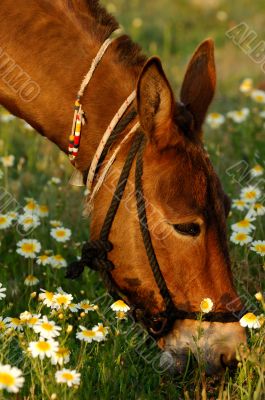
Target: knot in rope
(94,256)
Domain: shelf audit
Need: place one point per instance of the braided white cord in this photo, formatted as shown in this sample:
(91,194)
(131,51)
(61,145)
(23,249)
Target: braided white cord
(107,167)
(94,65)
(115,120)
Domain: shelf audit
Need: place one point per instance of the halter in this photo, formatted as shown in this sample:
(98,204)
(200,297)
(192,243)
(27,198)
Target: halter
(95,253)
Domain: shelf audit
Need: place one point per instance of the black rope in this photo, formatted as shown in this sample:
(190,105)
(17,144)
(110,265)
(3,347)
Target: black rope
(160,281)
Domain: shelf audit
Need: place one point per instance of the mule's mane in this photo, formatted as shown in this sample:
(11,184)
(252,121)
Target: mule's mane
(96,22)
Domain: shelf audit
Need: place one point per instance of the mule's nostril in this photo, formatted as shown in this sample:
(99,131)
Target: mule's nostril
(228,361)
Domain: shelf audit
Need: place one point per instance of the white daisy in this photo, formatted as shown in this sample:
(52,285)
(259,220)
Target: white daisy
(258,96)
(61,234)
(47,329)
(246,85)
(55,224)
(101,330)
(87,335)
(206,305)
(74,307)
(43,348)
(25,316)
(31,280)
(119,305)
(250,194)
(57,261)
(259,247)
(2,291)
(250,320)
(14,323)
(35,319)
(8,161)
(87,306)
(13,215)
(257,209)
(244,225)
(28,248)
(61,300)
(68,376)
(61,356)
(257,170)
(120,315)
(240,238)
(43,259)
(11,378)
(5,221)
(31,207)
(238,116)
(215,120)
(2,324)
(43,211)
(239,204)
(28,221)
(46,297)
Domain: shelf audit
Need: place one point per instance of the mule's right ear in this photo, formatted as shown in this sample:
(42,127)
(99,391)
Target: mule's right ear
(199,83)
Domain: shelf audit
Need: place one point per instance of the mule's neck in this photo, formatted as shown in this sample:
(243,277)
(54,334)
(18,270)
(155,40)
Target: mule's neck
(56,60)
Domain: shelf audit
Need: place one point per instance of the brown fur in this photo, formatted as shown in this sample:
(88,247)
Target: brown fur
(54,42)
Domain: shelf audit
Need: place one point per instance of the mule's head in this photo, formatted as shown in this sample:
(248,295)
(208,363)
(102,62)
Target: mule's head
(187,208)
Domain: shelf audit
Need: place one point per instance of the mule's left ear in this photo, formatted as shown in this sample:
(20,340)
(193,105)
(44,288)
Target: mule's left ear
(155,104)
(199,83)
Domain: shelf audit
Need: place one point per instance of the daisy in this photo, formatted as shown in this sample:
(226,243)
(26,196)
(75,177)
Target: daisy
(240,238)
(2,291)
(28,248)
(13,215)
(47,329)
(46,297)
(5,221)
(31,207)
(61,356)
(121,315)
(87,306)
(25,316)
(73,307)
(61,300)
(120,306)
(11,378)
(244,225)
(31,280)
(257,170)
(35,319)
(43,211)
(87,335)
(206,305)
(250,194)
(57,261)
(250,320)
(8,161)
(258,246)
(43,348)
(258,209)
(68,376)
(61,234)
(44,259)
(55,224)
(28,221)
(258,96)
(2,324)
(239,204)
(215,120)
(101,330)
(238,116)
(246,85)
(14,323)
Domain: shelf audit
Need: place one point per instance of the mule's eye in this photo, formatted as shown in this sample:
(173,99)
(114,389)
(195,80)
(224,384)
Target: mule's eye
(188,229)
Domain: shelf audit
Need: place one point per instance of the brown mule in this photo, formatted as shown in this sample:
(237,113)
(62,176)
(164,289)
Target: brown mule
(50,45)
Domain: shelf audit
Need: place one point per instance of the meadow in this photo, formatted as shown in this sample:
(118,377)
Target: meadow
(96,353)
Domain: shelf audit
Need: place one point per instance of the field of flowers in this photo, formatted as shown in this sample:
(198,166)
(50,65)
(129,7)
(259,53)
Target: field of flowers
(68,340)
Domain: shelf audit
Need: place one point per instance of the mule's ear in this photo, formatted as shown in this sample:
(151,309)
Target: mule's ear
(199,83)
(155,104)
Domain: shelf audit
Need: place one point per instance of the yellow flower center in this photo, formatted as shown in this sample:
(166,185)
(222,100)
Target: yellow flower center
(215,115)
(260,247)
(89,333)
(241,236)
(33,320)
(62,299)
(58,257)
(251,195)
(3,220)
(2,325)
(67,376)
(31,206)
(259,98)
(250,317)
(49,295)
(43,209)
(243,224)
(60,233)
(240,203)
(43,346)
(62,352)
(6,379)
(28,247)
(16,321)
(47,326)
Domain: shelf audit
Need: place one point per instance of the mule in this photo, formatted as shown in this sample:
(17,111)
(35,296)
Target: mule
(46,49)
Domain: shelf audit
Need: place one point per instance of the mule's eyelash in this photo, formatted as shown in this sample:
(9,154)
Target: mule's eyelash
(191,229)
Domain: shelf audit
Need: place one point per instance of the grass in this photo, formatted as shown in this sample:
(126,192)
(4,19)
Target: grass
(120,367)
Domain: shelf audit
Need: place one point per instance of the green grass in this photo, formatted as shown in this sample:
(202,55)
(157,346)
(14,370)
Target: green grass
(114,369)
